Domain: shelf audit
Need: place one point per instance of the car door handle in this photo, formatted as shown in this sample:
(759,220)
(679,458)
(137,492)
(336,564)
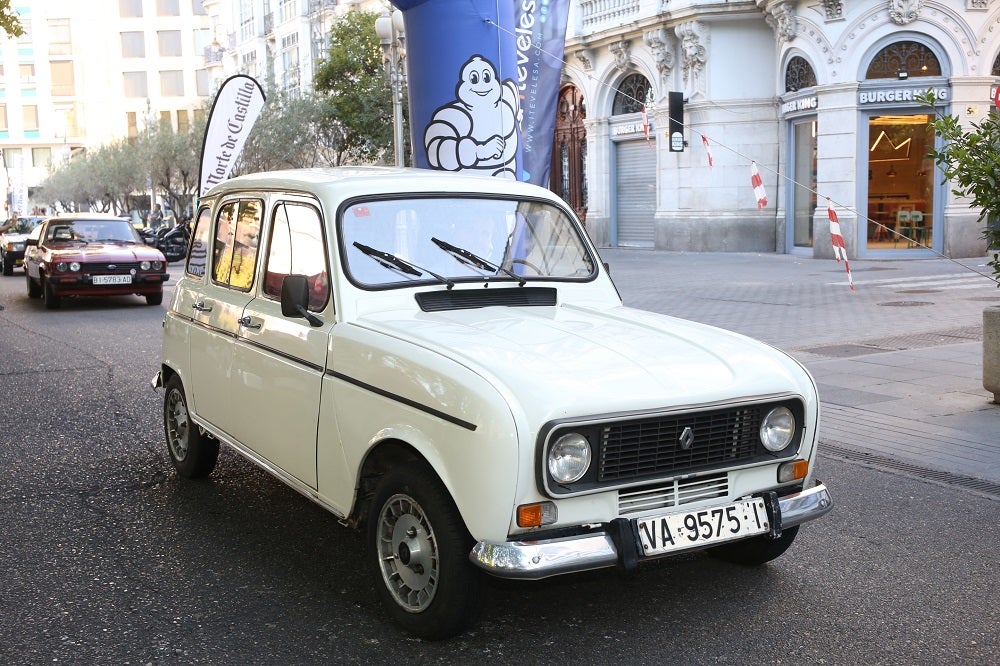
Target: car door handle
(201,307)
(247,322)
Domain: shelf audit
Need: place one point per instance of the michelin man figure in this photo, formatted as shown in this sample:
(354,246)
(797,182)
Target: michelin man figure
(477,132)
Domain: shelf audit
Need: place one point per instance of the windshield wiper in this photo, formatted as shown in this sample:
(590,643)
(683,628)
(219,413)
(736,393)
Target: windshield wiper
(465,257)
(394,263)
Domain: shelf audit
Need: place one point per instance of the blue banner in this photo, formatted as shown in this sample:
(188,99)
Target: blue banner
(483,84)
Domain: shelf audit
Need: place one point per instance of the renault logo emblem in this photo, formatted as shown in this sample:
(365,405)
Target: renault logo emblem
(687,438)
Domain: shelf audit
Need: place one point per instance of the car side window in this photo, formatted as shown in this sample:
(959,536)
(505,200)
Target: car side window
(236,236)
(297,248)
(198,257)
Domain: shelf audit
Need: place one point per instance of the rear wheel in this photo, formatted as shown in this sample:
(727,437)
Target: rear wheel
(421,554)
(193,452)
(756,551)
(49,297)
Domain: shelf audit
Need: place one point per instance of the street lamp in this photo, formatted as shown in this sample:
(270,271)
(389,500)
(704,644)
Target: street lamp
(390,34)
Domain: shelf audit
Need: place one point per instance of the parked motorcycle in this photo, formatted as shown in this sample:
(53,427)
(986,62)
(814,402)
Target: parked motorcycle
(173,242)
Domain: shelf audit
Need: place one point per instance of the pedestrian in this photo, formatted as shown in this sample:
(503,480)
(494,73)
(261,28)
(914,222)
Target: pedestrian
(155,218)
(9,224)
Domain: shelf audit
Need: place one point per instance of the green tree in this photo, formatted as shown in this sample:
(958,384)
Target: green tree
(9,21)
(352,78)
(970,159)
(173,162)
(293,131)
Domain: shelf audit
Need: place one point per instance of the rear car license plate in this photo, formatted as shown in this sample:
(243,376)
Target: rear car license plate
(111,279)
(679,531)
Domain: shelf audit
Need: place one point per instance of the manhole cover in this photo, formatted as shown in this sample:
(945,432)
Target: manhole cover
(906,304)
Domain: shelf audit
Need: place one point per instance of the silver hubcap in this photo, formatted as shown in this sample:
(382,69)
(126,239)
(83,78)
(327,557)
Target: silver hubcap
(177,425)
(408,553)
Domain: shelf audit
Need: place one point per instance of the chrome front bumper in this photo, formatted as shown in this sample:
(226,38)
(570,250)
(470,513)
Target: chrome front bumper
(531,560)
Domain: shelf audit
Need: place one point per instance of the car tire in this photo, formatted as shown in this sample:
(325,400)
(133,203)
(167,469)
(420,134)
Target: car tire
(8,266)
(756,551)
(192,451)
(49,297)
(34,291)
(420,551)
(154,299)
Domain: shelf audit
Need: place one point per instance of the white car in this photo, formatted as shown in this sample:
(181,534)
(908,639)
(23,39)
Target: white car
(444,361)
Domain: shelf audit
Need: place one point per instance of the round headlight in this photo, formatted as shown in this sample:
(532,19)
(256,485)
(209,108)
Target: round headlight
(144,265)
(569,458)
(61,266)
(75,266)
(778,429)
(157,265)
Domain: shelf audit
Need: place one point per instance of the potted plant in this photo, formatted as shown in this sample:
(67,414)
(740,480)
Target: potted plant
(970,159)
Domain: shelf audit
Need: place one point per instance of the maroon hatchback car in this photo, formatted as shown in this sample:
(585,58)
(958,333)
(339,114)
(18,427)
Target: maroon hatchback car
(90,254)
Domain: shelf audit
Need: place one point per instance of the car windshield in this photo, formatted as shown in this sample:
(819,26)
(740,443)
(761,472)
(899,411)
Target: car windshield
(24,225)
(91,231)
(396,242)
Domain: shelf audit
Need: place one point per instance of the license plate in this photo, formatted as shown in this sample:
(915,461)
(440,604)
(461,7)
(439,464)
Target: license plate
(679,531)
(111,279)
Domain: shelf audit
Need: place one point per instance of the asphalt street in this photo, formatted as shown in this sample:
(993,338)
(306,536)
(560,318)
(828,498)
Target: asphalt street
(109,558)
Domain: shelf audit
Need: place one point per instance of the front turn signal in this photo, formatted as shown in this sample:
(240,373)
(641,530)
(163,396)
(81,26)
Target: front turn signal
(536,515)
(793,471)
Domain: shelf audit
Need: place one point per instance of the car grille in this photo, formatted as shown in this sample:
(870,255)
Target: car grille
(106,267)
(673,493)
(651,447)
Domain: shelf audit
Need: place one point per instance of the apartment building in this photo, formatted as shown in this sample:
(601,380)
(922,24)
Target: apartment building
(88,73)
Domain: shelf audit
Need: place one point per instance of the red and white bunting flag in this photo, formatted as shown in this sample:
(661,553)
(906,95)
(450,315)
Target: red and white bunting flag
(708,151)
(758,186)
(645,127)
(837,239)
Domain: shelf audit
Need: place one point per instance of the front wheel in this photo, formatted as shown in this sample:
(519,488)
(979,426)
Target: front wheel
(34,291)
(192,451)
(8,265)
(154,299)
(49,297)
(756,551)
(421,554)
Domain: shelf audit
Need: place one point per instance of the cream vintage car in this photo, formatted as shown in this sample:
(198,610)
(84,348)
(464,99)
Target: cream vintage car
(443,361)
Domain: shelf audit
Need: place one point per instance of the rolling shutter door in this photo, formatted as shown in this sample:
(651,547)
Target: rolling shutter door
(636,166)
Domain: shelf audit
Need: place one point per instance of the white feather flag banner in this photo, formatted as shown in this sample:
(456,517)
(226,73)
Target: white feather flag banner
(235,110)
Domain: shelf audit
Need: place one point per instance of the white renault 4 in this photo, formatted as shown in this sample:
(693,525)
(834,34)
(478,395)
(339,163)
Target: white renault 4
(444,362)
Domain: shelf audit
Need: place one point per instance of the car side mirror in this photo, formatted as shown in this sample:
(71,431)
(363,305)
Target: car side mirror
(33,242)
(295,299)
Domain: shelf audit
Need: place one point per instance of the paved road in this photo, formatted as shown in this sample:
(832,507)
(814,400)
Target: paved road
(108,558)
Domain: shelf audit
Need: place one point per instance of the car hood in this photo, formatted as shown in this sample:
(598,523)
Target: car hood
(569,360)
(94,252)
(13,238)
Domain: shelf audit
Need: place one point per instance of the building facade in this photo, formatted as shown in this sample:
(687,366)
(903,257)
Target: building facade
(87,74)
(822,96)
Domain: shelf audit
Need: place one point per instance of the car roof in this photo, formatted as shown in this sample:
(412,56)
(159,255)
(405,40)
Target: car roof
(88,217)
(343,182)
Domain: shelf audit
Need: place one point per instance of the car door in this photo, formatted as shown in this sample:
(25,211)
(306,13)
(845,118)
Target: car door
(279,361)
(216,306)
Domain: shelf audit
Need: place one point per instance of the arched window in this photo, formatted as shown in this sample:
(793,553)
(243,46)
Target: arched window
(631,95)
(902,60)
(799,74)
(996,66)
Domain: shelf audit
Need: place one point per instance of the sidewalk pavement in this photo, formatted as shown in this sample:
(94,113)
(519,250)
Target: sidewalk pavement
(898,362)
